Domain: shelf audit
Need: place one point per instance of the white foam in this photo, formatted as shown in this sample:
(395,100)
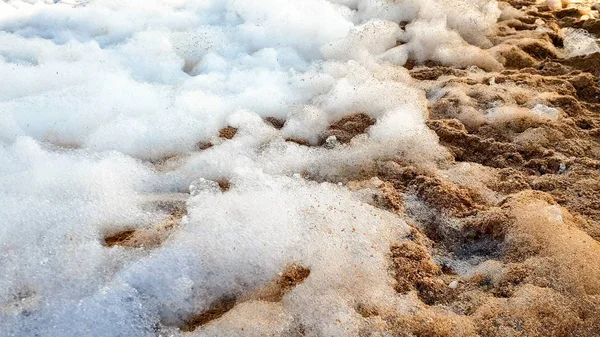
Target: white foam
(579,42)
(93,90)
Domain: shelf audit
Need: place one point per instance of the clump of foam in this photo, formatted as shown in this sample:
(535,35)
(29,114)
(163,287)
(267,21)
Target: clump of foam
(545,112)
(554,4)
(428,37)
(505,114)
(579,42)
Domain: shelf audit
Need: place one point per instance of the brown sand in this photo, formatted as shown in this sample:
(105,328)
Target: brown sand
(539,232)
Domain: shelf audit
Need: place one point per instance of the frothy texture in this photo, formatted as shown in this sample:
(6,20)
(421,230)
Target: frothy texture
(104,106)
